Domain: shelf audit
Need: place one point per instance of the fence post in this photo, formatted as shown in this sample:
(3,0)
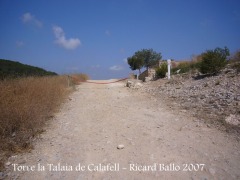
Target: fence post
(169,65)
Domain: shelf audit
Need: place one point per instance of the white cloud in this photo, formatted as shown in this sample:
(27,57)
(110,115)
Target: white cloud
(116,68)
(125,60)
(29,18)
(71,43)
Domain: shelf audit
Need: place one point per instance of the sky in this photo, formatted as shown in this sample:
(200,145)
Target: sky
(97,36)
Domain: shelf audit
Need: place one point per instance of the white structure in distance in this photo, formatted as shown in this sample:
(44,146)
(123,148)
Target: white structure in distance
(169,67)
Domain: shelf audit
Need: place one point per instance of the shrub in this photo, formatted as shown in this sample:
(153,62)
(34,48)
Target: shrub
(183,66)
(13,69)
(162,70)
(214,60)
(186,66)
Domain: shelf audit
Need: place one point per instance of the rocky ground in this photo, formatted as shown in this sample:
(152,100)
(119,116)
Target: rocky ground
(108,131)
(214,99)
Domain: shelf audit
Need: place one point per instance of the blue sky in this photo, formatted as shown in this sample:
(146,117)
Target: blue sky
(96,36)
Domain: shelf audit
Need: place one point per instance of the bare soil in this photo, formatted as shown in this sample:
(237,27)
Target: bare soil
(97,118)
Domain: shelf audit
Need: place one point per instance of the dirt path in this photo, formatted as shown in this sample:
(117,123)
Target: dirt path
(98,118)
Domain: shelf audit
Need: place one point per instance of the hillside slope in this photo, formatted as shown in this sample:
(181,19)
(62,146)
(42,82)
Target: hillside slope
(14,69)
(213,99)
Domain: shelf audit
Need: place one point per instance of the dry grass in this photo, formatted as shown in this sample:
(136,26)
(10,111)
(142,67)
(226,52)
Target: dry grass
(78,78)
(25,105)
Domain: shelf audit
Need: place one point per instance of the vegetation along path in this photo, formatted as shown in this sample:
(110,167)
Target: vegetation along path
(106,131)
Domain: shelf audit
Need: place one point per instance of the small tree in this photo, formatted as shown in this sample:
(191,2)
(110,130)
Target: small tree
(149,57)
(214,60)
(162,70)
(135,63)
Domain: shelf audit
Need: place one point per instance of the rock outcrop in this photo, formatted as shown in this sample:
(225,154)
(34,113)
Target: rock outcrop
(133,83)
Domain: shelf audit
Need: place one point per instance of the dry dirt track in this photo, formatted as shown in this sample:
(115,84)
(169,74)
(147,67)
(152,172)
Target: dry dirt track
(98,118)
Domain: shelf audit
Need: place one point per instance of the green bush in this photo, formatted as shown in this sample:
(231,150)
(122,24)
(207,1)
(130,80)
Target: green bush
(162,70)
(214,60)
(183,66)
(186,66)
(14,69)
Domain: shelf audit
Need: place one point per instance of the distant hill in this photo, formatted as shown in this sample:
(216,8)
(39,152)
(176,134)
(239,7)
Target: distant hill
(14,69)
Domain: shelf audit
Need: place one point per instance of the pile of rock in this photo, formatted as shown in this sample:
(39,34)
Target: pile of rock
(134,83)
(214,98)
